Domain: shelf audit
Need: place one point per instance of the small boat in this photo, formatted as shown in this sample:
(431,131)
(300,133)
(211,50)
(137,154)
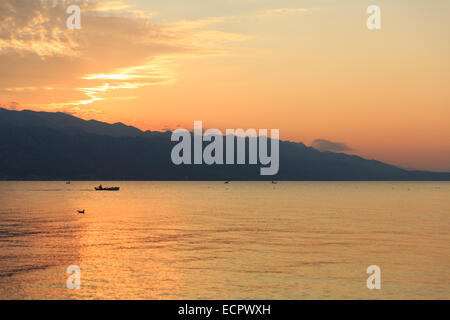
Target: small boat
(227,182)
(81,211)
(100,188)
(274,182)
(67,182)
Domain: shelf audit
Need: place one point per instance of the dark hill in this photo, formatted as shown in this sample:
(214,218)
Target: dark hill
(58,146)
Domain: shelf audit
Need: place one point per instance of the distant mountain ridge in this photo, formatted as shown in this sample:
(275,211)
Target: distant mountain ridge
(66,123)
(59,146)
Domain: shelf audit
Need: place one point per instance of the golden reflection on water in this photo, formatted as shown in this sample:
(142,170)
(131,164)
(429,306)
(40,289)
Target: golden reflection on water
(243,240)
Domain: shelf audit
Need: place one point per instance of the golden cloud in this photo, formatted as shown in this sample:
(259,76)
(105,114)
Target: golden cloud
(116,49)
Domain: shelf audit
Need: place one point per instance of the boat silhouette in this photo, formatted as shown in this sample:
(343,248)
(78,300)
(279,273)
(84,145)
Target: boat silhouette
(100,188)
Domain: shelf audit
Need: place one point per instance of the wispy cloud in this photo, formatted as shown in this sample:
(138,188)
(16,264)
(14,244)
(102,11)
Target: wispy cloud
(109,6)
(326,145)
(189,25)
(282,11)
(34,27)
(10,105)
(117,48)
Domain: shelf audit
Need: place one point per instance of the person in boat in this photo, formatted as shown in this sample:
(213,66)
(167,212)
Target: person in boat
(100,187)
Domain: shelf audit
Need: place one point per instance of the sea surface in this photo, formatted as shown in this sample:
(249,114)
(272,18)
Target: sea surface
(210,240)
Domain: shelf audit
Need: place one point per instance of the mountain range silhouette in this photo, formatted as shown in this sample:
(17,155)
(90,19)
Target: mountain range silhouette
(59,146)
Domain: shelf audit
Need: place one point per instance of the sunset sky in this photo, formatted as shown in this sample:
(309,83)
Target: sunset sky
(310,68)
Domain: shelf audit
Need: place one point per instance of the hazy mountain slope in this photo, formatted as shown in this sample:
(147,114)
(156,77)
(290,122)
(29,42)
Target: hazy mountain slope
(66,123)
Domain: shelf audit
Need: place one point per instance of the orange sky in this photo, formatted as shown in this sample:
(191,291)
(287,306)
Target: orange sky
(309,68)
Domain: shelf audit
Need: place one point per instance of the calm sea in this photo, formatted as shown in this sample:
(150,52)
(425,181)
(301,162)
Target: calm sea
(210,240)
